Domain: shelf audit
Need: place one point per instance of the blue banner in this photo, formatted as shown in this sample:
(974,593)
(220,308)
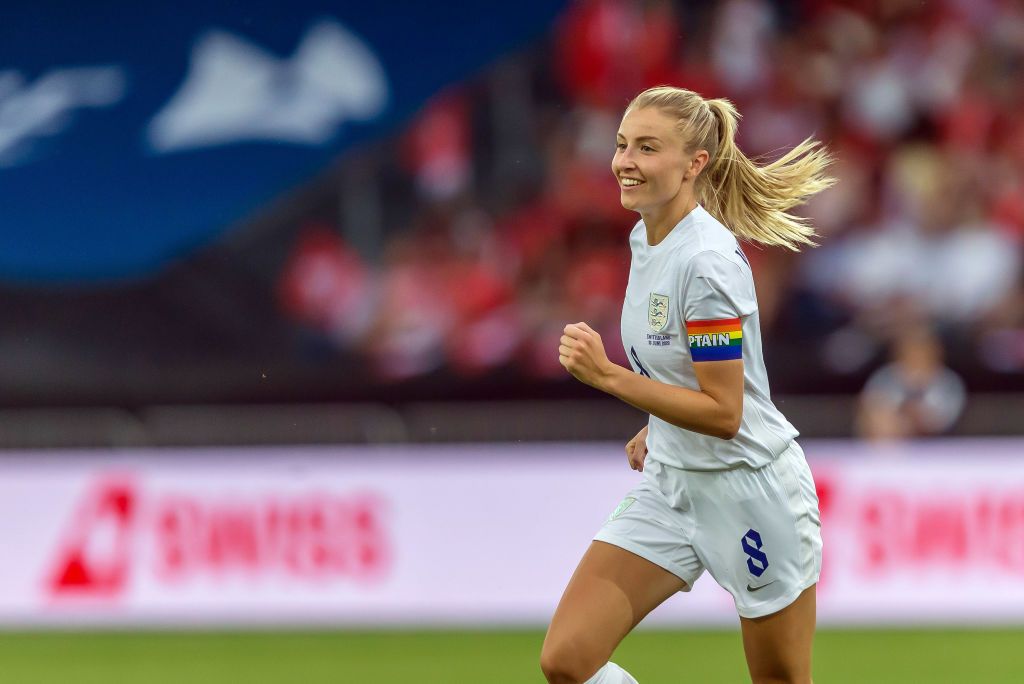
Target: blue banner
(132,133)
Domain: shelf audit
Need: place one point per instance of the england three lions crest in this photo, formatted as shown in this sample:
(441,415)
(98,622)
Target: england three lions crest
(657,312)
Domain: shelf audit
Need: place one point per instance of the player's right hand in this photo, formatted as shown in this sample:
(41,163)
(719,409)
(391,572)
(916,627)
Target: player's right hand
(636,450)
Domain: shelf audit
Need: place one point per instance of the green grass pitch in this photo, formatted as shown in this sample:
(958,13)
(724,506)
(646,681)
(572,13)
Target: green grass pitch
(484,657)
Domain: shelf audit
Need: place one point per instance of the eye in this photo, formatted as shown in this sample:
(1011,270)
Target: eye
(646,148)
(620,146)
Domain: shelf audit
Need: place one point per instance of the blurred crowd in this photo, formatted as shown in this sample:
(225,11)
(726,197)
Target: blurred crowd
(512,225)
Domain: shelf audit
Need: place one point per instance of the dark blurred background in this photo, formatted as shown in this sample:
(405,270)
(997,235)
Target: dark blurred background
(404,237)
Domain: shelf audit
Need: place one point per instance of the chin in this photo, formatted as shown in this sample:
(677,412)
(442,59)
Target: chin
(632,206)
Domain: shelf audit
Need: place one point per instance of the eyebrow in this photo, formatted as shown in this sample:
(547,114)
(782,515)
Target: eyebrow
(642,138)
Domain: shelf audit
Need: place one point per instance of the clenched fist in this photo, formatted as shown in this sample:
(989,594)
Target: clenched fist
(581,352)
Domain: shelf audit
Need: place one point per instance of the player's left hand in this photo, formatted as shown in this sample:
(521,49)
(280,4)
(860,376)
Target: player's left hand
(581,352)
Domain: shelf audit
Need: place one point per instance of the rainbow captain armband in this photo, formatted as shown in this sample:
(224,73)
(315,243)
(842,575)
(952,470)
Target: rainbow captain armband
(720,340)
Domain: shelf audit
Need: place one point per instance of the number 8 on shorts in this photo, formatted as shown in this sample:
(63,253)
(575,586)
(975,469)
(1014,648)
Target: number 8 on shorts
(757,561)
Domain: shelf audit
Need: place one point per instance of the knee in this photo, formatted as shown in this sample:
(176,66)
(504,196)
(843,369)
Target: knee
(566,664)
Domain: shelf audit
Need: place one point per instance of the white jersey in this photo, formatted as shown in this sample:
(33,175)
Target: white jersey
(691,298)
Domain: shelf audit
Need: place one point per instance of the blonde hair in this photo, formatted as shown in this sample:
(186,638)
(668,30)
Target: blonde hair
(752,200)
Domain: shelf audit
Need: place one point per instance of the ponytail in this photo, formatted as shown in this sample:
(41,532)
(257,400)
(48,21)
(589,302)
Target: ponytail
(752,201)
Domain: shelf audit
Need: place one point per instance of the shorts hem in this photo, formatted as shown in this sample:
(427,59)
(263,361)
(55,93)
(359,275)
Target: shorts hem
(647,554)
(770,607)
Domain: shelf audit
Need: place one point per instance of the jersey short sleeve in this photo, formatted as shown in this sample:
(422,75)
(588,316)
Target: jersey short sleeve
(718,293)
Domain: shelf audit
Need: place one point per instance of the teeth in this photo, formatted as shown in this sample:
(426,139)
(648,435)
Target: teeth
(631,181)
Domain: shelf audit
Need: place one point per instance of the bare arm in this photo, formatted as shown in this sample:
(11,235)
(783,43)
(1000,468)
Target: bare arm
(716,409)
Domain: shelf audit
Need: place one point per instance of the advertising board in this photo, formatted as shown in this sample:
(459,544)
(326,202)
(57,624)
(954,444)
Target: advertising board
(467,535)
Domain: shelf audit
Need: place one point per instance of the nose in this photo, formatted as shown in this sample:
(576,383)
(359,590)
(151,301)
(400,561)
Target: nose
(623,162)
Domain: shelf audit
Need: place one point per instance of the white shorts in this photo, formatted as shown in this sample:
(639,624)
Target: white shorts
(758,531)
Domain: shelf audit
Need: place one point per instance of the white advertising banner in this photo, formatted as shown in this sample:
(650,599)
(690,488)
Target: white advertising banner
(467,535)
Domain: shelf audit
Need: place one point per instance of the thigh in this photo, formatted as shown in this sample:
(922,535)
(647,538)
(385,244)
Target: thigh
(778,646)
(610,592)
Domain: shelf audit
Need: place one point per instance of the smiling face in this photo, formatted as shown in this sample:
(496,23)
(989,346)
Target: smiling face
(656,174)
(650,162)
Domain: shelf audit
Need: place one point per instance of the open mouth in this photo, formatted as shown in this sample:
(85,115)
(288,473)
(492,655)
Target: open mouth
(630,183)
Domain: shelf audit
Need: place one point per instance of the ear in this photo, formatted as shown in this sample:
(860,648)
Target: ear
(697,163)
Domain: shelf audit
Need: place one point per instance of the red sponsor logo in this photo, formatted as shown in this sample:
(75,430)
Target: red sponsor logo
(95,555)
(943,530)
(894,530)
(303,537)
(312,537)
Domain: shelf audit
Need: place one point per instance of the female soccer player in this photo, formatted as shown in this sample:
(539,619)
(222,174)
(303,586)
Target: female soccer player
(725,486)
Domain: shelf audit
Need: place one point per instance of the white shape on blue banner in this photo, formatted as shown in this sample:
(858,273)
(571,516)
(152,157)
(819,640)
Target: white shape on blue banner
(236,91)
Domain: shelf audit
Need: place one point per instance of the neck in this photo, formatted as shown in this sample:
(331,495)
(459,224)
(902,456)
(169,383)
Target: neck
(661,220)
